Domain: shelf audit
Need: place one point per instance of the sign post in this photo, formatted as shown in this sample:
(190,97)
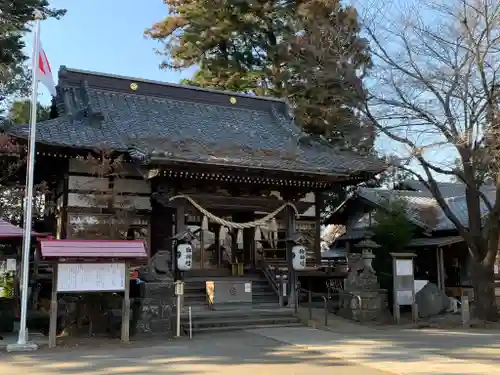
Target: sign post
(179,292)
(404,284)
(90,277)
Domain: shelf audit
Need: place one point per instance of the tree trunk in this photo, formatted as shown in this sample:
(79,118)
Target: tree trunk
(484,291)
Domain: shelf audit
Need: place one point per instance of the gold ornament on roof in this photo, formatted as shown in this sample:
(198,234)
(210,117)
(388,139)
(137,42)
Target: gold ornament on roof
(133,86)
(232,100)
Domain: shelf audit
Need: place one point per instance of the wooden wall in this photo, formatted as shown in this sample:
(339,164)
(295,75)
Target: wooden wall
(85,199)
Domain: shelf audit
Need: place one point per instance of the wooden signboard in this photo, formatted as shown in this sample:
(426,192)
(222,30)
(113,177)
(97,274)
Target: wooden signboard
(91,277)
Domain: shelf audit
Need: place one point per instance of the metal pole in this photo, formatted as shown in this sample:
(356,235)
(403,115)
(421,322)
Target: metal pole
(310,305)
(28,199)
(296,305)
(280,292)
(190,324)
(326,311)
(178,334)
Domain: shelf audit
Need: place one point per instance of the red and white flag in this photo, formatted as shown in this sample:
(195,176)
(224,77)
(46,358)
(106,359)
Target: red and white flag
(44,73)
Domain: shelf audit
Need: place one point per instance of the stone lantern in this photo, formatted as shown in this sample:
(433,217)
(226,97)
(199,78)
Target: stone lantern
(365,300)
(367,247)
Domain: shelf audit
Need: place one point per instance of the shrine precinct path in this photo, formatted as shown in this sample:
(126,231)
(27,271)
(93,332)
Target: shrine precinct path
(242,353)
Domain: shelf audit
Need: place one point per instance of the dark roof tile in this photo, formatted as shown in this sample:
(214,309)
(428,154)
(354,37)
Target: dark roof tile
(165,122)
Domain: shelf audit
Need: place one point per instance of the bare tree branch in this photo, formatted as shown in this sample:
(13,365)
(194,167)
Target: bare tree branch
(435,83)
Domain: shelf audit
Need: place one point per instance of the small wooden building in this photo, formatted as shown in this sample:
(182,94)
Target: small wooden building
(237,156)
(442,255)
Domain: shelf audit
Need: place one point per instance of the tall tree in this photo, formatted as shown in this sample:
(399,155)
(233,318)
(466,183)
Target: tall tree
(19,112)
(15,19)
(437,70)
(270,48)
(327,61)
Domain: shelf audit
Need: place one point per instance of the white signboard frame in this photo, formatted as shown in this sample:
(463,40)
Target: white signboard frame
(405,297)
(91,277)
(404,267)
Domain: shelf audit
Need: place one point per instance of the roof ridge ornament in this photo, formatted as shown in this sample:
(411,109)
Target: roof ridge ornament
(95,117)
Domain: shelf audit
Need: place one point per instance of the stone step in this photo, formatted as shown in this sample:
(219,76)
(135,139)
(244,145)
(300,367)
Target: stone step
(255,304)
(229,278)
(243,321)
(255,293)
(201,283)
(241,327)
(241,311)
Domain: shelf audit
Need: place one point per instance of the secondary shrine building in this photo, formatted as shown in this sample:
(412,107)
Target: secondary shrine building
(180,148)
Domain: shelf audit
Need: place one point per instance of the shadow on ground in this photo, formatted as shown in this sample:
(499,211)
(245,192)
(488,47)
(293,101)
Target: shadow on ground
(407,352)
(475,345)
(482,347)
(238,353)
(276,350)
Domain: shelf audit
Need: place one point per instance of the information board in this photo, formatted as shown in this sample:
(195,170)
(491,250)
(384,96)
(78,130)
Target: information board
(90,277)
(404,267)
(404,297)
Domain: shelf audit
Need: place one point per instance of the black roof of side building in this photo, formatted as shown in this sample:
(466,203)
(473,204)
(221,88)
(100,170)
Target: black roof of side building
(162,122)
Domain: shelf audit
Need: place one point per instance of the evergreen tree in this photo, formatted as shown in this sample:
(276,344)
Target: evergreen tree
(19,112)
(306,51)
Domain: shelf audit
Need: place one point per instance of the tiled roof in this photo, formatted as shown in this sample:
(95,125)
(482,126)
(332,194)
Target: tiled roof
(447,189)
(93,248)
(423,209)
(172,123)
(434,241)
(356,233)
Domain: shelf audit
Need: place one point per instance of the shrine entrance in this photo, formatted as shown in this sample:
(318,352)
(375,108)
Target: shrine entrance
(217,247)
(228,231)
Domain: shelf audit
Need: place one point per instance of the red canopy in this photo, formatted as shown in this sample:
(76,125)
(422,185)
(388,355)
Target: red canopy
(93,249)
(7,230)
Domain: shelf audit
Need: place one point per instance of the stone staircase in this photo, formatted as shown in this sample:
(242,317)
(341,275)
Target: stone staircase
(264,311)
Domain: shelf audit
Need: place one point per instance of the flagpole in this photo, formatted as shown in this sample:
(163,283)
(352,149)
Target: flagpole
(28,200)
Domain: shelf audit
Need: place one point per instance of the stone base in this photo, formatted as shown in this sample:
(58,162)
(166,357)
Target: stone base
(373,306)
(157,309)
(28,347)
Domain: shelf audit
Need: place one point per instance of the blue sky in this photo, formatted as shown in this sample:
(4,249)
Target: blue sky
(108,36)
(104,36)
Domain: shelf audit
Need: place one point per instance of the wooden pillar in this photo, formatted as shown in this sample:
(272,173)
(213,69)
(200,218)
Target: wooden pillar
(240,253)
(161,223)
(440,268)
(53,309)
(125,334)
(248,236)
(318,206)
(64,232)
(180,226)
(180,218)
(289,219)
(218,247)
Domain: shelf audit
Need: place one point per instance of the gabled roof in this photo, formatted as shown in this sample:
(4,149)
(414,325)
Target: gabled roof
(127,249)
(447,189)
(160,122)
(422,209)
(7,230)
